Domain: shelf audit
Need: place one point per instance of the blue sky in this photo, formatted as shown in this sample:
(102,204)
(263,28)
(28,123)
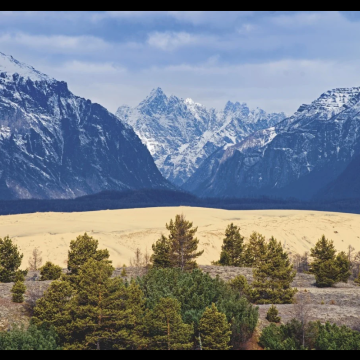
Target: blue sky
(274,60)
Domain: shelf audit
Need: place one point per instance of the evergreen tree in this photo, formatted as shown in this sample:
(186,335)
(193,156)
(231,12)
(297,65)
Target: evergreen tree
(273,315)
(18,291)
(32,338)
(183,244)
(327,273)
(273,277)
(50,271)
(240,284)
(82,249)
(343,264)
(160,258)
(255,250)
(123,271)
(324,250)
(165,328)
(214,329)
(100,313)
(10,260)
(52,310)
(232,248)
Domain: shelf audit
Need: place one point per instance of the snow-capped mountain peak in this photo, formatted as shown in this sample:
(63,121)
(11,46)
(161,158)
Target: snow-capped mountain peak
(180,133)
(11,66)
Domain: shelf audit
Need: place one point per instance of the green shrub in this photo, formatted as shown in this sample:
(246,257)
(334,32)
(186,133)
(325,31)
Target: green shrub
(50,271)
(18,291)
(272,315)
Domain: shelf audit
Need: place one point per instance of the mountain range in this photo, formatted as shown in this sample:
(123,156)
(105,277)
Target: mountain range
(54,144)
(180,134)
(311,154)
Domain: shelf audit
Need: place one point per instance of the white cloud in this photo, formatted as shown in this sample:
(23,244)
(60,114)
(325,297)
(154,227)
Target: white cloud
(55,42)
(172,40)
(91,68)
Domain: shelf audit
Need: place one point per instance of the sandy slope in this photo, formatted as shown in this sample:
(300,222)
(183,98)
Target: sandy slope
(121,231)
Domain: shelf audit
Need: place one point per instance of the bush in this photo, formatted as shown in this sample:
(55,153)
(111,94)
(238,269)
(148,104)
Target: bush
(32,338)
(50,271)
(18,291)
(272,315)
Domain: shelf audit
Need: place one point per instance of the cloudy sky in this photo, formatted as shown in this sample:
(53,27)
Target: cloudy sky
(273,60)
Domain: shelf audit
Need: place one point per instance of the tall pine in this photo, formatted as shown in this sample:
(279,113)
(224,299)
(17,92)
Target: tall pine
(232,247)
(165,327)
(183,252)
(273,277)
(214,330)
(160,258)
(255,250)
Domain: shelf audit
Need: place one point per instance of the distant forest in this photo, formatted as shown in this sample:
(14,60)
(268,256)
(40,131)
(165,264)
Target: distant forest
(109,200)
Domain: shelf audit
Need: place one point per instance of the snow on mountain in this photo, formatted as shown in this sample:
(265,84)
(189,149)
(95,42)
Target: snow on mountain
(54,144)
(295,158)
(181,134)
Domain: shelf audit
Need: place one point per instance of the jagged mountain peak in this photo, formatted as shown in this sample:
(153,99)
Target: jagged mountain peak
(11,66)
(181,133)
(54,144)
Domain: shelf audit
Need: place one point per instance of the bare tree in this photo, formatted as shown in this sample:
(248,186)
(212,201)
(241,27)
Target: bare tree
(302,310)
(35,260)
(140,262)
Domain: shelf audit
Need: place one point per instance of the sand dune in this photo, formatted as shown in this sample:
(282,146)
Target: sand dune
(122,231)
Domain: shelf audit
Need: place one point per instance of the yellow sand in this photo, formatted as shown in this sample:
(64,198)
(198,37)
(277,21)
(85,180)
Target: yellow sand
(122,231)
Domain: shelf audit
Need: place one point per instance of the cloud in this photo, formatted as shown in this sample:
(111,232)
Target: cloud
(172,40)
(91,68)
(55,42)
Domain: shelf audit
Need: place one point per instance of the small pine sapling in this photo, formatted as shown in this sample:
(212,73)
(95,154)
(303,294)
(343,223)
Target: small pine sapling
(18,291)
(272,315)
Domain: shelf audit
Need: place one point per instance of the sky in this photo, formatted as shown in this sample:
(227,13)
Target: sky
(274,60)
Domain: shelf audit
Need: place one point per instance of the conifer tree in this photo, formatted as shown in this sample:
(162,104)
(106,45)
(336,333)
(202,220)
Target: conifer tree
(273,277)
(232,248)
(160,258)
(343,264)
(273,315)
(183,244)
(214,329)
(123,271)
(10,260)
(327,273)
(18,291)
(53,310)
(240,284)
(165,328)
(324,250)
(255,250)
(82,249)
(50,271)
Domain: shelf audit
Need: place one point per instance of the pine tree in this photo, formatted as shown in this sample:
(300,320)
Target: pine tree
(232,248)
(343,264)
(18,291)
(123,271)
(52,310)
(10,260)
(255,250)
(272,315)
(214,329)
(324,250)
(165,328)
(82,249)
(327,273)
(183,244)
(95,312)
(240,284)
(273,277)
(50,271)
(160,258)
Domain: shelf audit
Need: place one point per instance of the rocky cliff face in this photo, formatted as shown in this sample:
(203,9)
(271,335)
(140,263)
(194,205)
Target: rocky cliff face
(181,134)
(295,158)
(54,144)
